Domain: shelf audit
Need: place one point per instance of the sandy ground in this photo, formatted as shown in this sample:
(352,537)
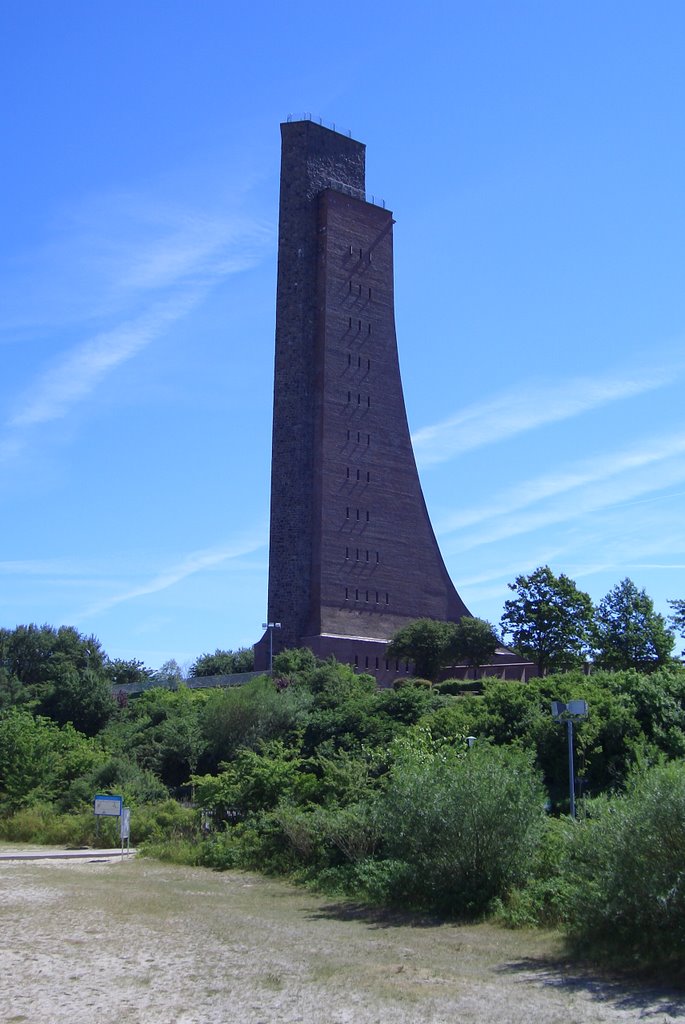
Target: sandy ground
(139,942)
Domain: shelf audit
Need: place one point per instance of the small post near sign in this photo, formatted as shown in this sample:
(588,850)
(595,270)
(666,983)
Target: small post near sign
(125,829)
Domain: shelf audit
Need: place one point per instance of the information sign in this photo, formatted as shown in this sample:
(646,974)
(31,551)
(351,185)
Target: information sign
(108,805)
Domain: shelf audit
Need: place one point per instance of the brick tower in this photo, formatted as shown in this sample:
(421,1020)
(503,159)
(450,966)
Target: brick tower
(353,556)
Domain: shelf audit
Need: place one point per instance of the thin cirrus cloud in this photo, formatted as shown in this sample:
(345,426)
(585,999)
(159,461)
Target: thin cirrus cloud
(197,561)
(80,370)
(138,268)
(515,413)
(610,482)
(638,457)
(111,251)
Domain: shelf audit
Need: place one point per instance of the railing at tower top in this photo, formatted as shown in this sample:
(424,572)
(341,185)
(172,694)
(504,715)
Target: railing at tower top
(340,186)
(356,193)
(320,120)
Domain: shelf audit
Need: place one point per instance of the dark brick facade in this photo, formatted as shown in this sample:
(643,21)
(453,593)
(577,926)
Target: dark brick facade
(353,556)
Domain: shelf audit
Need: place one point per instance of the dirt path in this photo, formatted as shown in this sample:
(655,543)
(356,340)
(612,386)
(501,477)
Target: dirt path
(144,943)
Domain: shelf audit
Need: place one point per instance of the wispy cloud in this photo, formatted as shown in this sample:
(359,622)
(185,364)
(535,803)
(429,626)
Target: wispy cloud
(610,481)
(581,475)
(517,412)
(136,264)
(109,252)
(82,368)
(195,562)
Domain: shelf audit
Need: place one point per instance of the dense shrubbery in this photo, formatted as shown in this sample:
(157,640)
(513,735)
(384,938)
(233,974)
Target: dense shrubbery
(461,827)
(375,793)
(626,868)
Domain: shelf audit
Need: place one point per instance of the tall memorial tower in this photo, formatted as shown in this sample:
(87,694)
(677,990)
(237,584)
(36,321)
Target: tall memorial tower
(353,556)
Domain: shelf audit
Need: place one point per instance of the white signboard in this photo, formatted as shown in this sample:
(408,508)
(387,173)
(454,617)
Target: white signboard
(108,805)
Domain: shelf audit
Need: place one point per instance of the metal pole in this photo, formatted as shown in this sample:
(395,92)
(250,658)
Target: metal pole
(571,779)
(271,648)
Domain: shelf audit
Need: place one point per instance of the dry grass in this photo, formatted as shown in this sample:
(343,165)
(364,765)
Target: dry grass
(144,943)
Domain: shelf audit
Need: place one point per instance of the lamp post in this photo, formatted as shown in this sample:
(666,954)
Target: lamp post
(271,626)
(572,712)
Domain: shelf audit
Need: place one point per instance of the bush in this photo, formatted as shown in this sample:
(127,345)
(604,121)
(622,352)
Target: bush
(404,681)
(627,871)
(167,821)
(546,896)
(43,824)
(465,825)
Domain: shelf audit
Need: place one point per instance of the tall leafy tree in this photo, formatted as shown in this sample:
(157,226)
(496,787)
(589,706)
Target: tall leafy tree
(677,619)
(427,642)
(549,620)
(475,642)
(629,633)
(122,672)
(223,663)
(59,673)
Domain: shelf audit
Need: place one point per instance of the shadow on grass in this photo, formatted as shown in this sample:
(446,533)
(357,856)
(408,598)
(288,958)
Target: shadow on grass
(378,917)
(645,996)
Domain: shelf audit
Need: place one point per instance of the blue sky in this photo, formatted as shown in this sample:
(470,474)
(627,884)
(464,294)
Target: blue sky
(533,154)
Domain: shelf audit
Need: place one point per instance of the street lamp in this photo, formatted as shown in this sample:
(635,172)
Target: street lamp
(572,712)
(271,626)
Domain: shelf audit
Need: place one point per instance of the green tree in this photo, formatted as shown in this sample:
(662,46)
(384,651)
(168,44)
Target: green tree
(549,621)
(427,642)
(57,672)
(223,663)
(170,675)
(243,716)
(39,760)
(120,672)
(475,642)
(628,633)
(83,698)
(677,619)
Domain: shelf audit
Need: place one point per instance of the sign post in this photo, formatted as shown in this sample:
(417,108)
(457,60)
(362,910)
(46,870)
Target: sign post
(572,712)
(125,830)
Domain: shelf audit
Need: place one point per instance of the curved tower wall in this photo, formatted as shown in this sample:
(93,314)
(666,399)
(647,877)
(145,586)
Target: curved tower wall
(353,556)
